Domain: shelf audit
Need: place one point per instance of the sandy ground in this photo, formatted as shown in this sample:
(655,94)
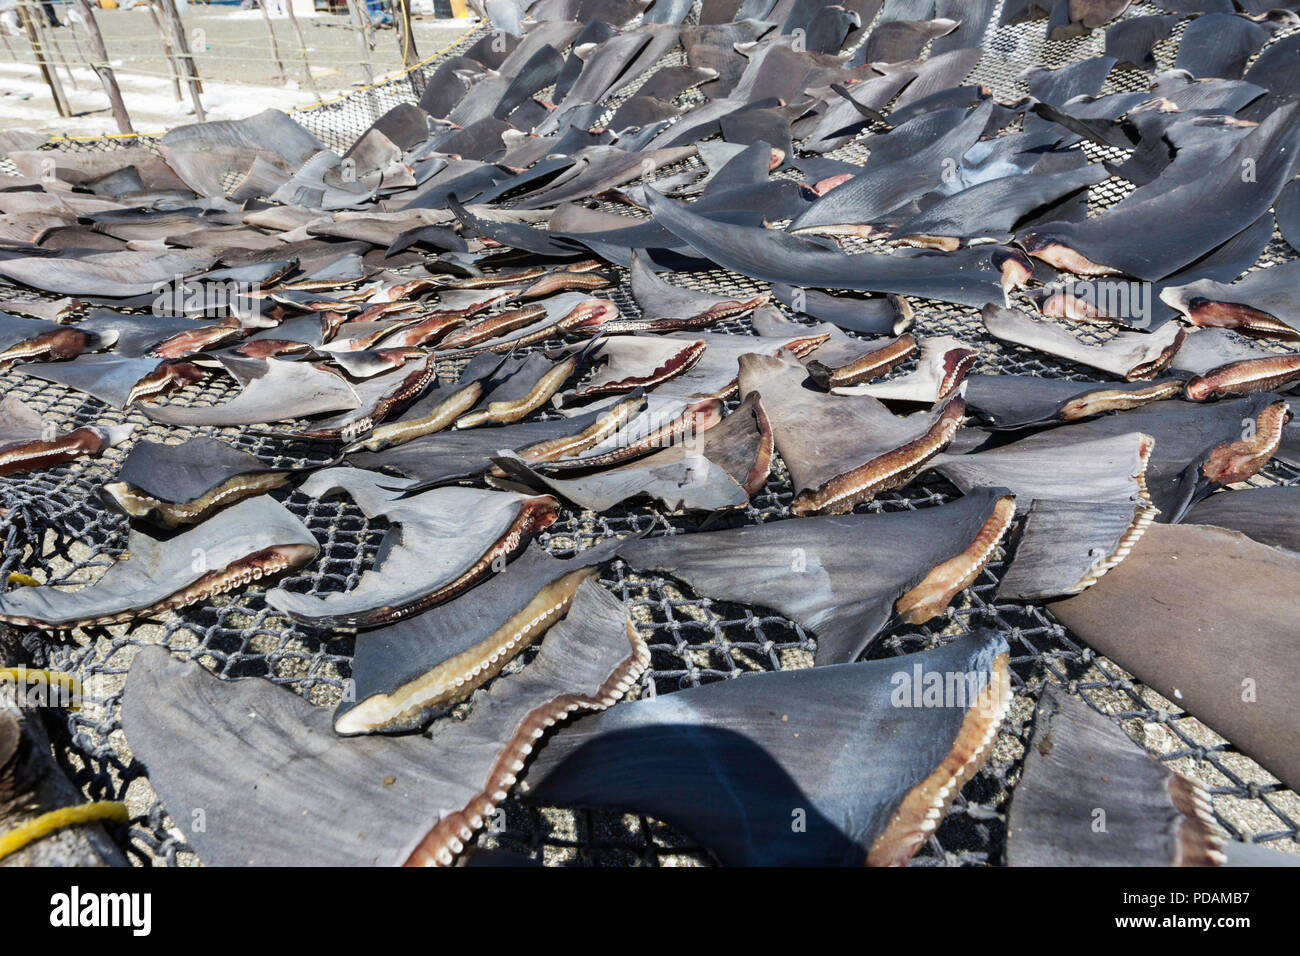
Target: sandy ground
(233,54)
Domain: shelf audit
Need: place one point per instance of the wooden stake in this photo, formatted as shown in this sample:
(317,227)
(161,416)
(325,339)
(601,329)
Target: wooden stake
(76,45)
(95,40)
(275,47)
(51,40)
(187,67)
(169,53)
(47,71)
(302,47)
(183,42)
(358,27)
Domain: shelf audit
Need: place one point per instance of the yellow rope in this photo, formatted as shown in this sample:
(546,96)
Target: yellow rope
(47,823)
(296,109)
(406,31)
(25,675)
(26,580)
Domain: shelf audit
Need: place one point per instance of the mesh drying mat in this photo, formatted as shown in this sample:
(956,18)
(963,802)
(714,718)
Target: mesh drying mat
(53,526)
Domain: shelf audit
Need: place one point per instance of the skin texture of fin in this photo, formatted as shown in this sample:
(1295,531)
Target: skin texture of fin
(1214,208)
(1013,402)
(966,277)
(1135,356)
(443,542)
(713,469)
(174,485)
(842,449)
(280,390)
(731,765)
(1222,630)
(1194,448)
(1066,546)
(842,577)
(254,539)
(1268,515)
(28,442)
(429,661)
(1079,764)
(259,755)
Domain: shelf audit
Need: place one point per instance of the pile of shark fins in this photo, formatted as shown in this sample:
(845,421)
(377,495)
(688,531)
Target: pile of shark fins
(496,314)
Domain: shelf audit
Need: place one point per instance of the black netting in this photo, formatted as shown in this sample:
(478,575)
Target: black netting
(52,526)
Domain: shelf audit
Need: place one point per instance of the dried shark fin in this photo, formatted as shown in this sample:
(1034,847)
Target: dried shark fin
(1135,356)
(1205,350)
(517,387)
(1060,467)
(29,442)
(729,763)
(117,380)
(444,541)
(1268,515)
(1264,303)
(842,360)
(1213,208)
(636,361)
(34,340)
(693,482)
(438,408)
(1267,373)
(454,455)
(1079,762)
(993,208)
(278,390)
(1195,447)
(1066,546)
(378,396)
(254,539)
(717,372)
(842,450)
(942,367)
(919,164)
(878,315)
(666,307)
(174,485)
(842,577)
(1015,402)
(653,424)
(259,755)
(712,470)
(409,670)
(115,274)
(566,314)
(1221,631)
(965,277)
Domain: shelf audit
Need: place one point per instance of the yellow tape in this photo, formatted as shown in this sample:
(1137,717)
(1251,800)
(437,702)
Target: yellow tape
(47,823)
(25,675)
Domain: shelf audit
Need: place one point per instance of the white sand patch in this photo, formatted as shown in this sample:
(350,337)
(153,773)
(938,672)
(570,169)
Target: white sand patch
(148,99)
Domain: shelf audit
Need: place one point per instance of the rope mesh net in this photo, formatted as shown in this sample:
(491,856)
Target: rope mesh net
(53,526)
